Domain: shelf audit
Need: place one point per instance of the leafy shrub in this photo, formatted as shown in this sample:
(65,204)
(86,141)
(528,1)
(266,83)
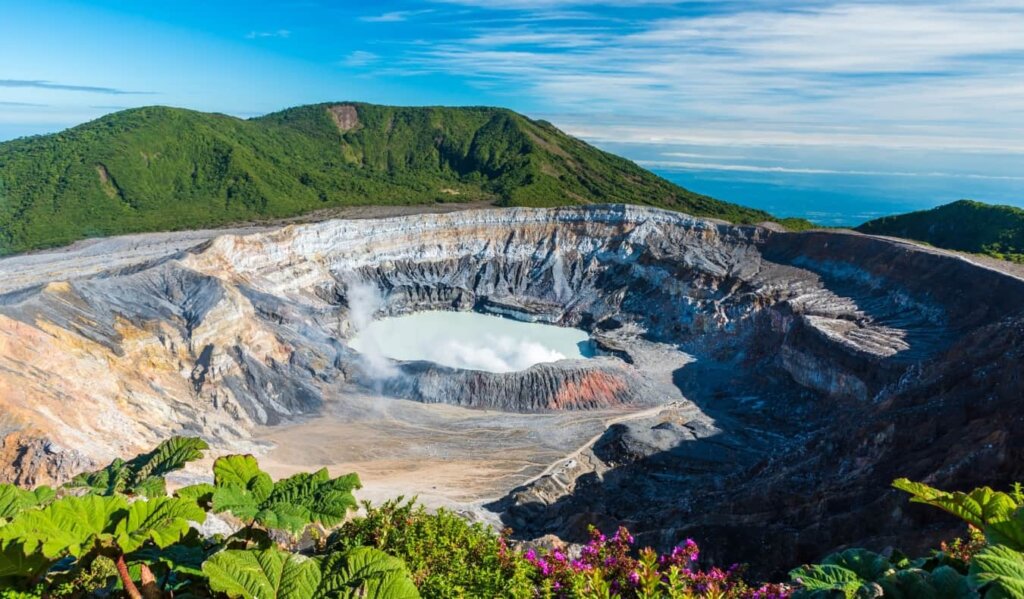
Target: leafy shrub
(448,556)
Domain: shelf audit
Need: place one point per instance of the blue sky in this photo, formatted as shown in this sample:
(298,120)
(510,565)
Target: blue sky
(849,109)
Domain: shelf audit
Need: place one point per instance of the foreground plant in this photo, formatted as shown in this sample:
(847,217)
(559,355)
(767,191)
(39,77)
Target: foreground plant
(116,529)
(989,563)
(78,530)
(115,532)
(446,555)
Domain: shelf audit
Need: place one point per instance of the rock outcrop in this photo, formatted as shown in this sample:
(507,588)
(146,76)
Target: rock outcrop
(829,362)
(566,385)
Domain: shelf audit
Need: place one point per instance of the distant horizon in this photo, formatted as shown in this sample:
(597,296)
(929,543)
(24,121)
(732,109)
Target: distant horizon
(835,108)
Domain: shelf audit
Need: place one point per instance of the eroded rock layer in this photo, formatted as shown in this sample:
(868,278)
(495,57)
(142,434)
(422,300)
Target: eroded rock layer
(826,360)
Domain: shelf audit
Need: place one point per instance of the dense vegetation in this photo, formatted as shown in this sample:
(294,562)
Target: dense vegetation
(968,226)
(162,168)
(116,532)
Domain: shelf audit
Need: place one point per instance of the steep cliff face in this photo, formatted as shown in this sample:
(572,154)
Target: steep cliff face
(805,349)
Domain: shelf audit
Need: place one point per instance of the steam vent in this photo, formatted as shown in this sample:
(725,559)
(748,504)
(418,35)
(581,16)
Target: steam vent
(753,388)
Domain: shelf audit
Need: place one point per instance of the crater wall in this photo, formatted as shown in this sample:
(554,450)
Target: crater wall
(811,351)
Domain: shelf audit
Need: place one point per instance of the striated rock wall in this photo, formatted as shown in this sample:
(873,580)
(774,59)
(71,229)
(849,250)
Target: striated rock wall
(567,385)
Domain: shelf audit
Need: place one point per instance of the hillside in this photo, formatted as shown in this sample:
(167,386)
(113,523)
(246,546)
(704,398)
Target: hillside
(160,168)
(965,225)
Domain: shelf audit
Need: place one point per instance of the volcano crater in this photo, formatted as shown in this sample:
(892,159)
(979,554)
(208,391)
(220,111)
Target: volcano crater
(755,388)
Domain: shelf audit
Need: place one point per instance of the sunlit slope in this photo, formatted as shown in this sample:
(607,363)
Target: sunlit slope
(965,225)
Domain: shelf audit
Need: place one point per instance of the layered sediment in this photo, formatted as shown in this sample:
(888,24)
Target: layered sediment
(819,360)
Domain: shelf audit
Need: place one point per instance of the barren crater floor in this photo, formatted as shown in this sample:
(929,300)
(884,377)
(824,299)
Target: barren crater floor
(752,388)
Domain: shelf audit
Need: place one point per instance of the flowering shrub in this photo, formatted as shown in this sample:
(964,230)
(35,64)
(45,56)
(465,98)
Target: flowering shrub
(606,567)
(966,547)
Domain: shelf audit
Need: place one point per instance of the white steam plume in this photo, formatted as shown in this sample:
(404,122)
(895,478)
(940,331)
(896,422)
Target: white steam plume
(364,301)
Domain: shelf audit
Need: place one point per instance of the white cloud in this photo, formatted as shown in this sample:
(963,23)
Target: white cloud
(360,58)
(281,33)
(527,38)
(393,16)
(752,168)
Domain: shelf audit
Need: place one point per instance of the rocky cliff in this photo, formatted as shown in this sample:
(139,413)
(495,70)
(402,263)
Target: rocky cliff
(827,362)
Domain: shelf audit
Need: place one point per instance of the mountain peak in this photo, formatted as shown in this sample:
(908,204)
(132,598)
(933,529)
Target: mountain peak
(164,168)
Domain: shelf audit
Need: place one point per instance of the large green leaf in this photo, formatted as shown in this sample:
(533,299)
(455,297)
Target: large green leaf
(270,574)
(290,504)
(1002,569)
(163,520)
(979,507)
(321,499)
(820,580)
(17,564)
(143,475)
(243,471)
(180,558)
(13,500)
(285,516)
(367,573)
(238,501)
(1009,531)
(240,487)
(914,583)
(201,493)
(867,565)
(71,525)
(173,454)
(950,584)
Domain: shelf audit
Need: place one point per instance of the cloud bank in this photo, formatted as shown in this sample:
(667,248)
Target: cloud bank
(859,73)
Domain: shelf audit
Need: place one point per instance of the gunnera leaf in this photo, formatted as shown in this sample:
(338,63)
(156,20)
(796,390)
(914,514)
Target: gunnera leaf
(1001,569)
(366,573)
(143,474)
(979,507)
(163,520)
(269,574)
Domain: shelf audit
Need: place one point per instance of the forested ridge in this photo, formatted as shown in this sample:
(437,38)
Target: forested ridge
(160,168)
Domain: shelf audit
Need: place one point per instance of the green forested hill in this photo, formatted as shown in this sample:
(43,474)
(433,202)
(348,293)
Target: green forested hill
(965,225)
(162,168)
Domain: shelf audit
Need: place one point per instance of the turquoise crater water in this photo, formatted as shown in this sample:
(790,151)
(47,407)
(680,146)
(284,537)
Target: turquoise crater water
(470,340)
